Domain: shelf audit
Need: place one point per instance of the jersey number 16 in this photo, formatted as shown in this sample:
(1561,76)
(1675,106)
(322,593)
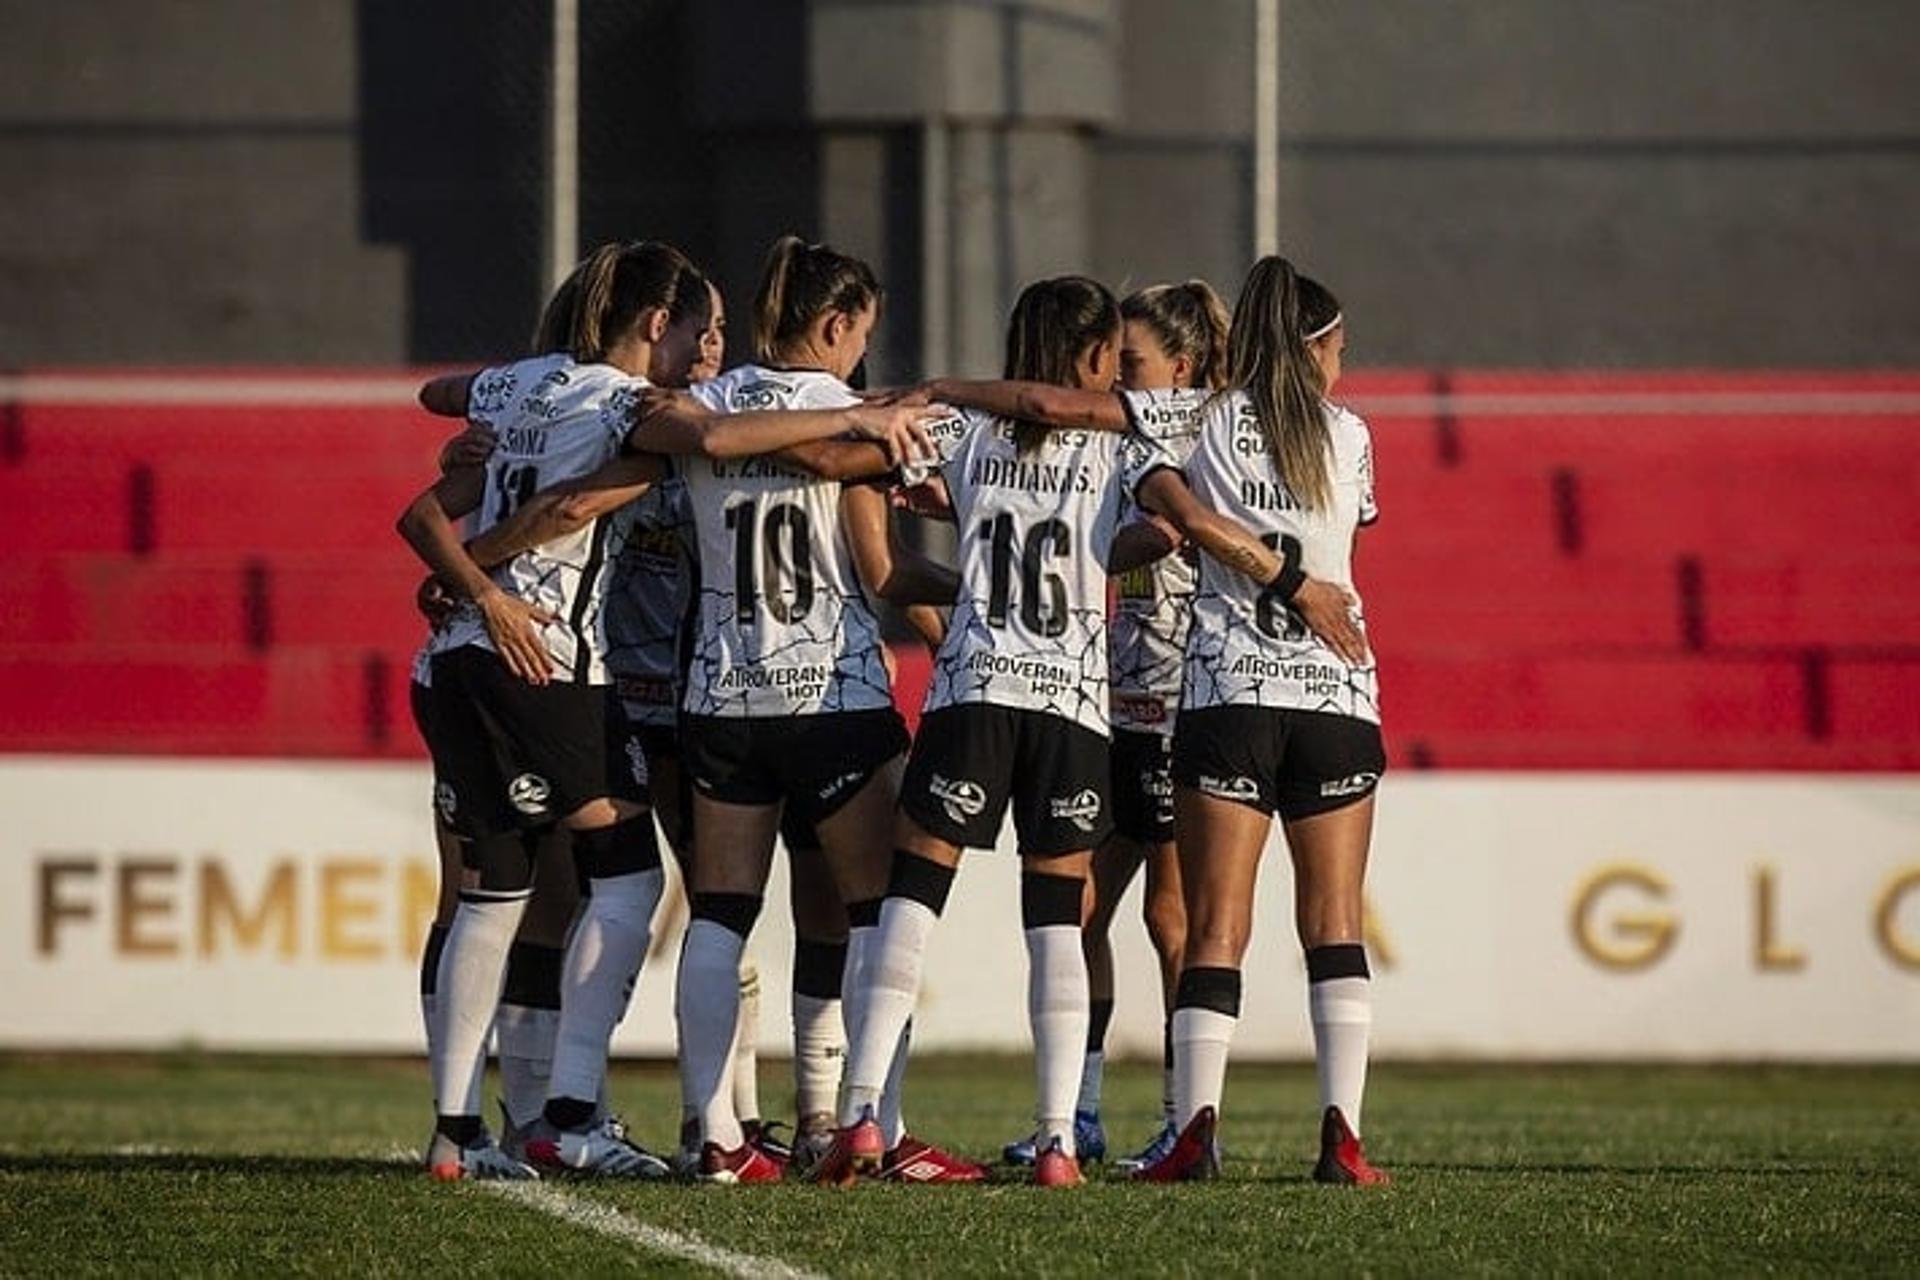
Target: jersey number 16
(1043,596)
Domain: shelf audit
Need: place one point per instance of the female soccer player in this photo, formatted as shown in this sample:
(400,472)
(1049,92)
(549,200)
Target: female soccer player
(526,753)
(788,700)
(1173,349)
(1274,720)
(1017,710)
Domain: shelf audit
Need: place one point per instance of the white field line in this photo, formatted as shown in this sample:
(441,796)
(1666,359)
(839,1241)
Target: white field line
(400,389)
(610,1222)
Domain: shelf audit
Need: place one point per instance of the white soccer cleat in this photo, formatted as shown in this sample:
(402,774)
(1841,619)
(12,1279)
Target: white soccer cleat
(602,1151)
(484,1161)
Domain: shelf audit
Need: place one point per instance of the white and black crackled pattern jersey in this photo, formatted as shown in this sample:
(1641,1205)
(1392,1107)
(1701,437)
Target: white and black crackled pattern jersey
(784,628)
(1246,649)
(1148,634)
(647,603)
(1029,629)
(553,420)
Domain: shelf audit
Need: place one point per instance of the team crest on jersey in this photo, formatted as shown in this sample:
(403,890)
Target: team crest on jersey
(529,793)
(963,800)
(1239,787)
(1358,784)
(1082,809)
(446,801)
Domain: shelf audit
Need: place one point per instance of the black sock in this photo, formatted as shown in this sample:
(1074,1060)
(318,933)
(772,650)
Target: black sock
(463,1130)
(569,1113)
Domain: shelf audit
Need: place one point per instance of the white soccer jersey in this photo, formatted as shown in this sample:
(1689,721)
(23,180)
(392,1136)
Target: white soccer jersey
(1030,627)
(1246,649)
(647,604)
(784,627)
(1148,634)
(553,420)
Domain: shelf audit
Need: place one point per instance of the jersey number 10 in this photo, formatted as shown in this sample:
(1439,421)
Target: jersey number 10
(786,538)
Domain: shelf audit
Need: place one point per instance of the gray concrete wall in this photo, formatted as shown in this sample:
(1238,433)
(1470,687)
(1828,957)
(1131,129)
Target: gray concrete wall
(1542,182)
(1486,182)
(182,186)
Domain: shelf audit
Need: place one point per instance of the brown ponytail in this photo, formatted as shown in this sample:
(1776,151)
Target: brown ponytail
(612,288)
(1052,325)
(1189,320)
(801,281)
(1267,359)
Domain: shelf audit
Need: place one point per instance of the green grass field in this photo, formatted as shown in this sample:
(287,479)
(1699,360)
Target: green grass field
(241,1165)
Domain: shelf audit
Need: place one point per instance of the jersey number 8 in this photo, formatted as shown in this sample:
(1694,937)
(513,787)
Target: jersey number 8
(1270,615)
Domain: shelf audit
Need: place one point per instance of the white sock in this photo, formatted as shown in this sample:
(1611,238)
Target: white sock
(525,1038)
(1092,1069)
(892,1118)
(429,1018)
(1342,1013)
(745,1074)
(709,1006)
(862,943)
(1166,1071)
(604,955)
(889,987)
(473,972)
(1201,1039)
(819,1050)
(1057,1010)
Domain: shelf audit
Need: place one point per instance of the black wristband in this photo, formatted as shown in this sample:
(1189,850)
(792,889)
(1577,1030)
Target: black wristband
(1286,584)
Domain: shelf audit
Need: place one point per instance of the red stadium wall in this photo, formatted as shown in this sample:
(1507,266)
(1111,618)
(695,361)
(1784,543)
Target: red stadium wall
(1572,571)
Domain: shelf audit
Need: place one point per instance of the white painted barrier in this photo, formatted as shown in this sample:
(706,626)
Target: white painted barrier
(280,905)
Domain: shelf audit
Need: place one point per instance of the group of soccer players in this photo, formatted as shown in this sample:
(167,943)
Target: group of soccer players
(654,582)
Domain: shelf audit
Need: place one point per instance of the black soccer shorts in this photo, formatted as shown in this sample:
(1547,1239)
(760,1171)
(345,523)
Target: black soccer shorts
(971,762)
(515,756)
(1143,786)
(815,763)
(1294,763)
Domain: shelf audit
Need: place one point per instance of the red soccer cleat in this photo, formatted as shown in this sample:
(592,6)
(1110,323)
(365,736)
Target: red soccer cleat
(1194,1156)
(1341,1160)
(912,1160)
(1055,1168)
(745,1163)
(857,1151)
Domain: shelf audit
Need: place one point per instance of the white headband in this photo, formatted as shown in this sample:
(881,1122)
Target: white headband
(1324,329)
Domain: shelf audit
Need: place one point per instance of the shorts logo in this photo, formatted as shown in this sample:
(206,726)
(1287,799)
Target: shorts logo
(445,800)
(529,793)
(637,761)
(1082,810)
(839,784)
(1239,787)
(1358,784)
(961,799)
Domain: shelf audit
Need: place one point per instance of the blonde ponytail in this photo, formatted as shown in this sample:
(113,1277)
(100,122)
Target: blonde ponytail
(1267,359)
